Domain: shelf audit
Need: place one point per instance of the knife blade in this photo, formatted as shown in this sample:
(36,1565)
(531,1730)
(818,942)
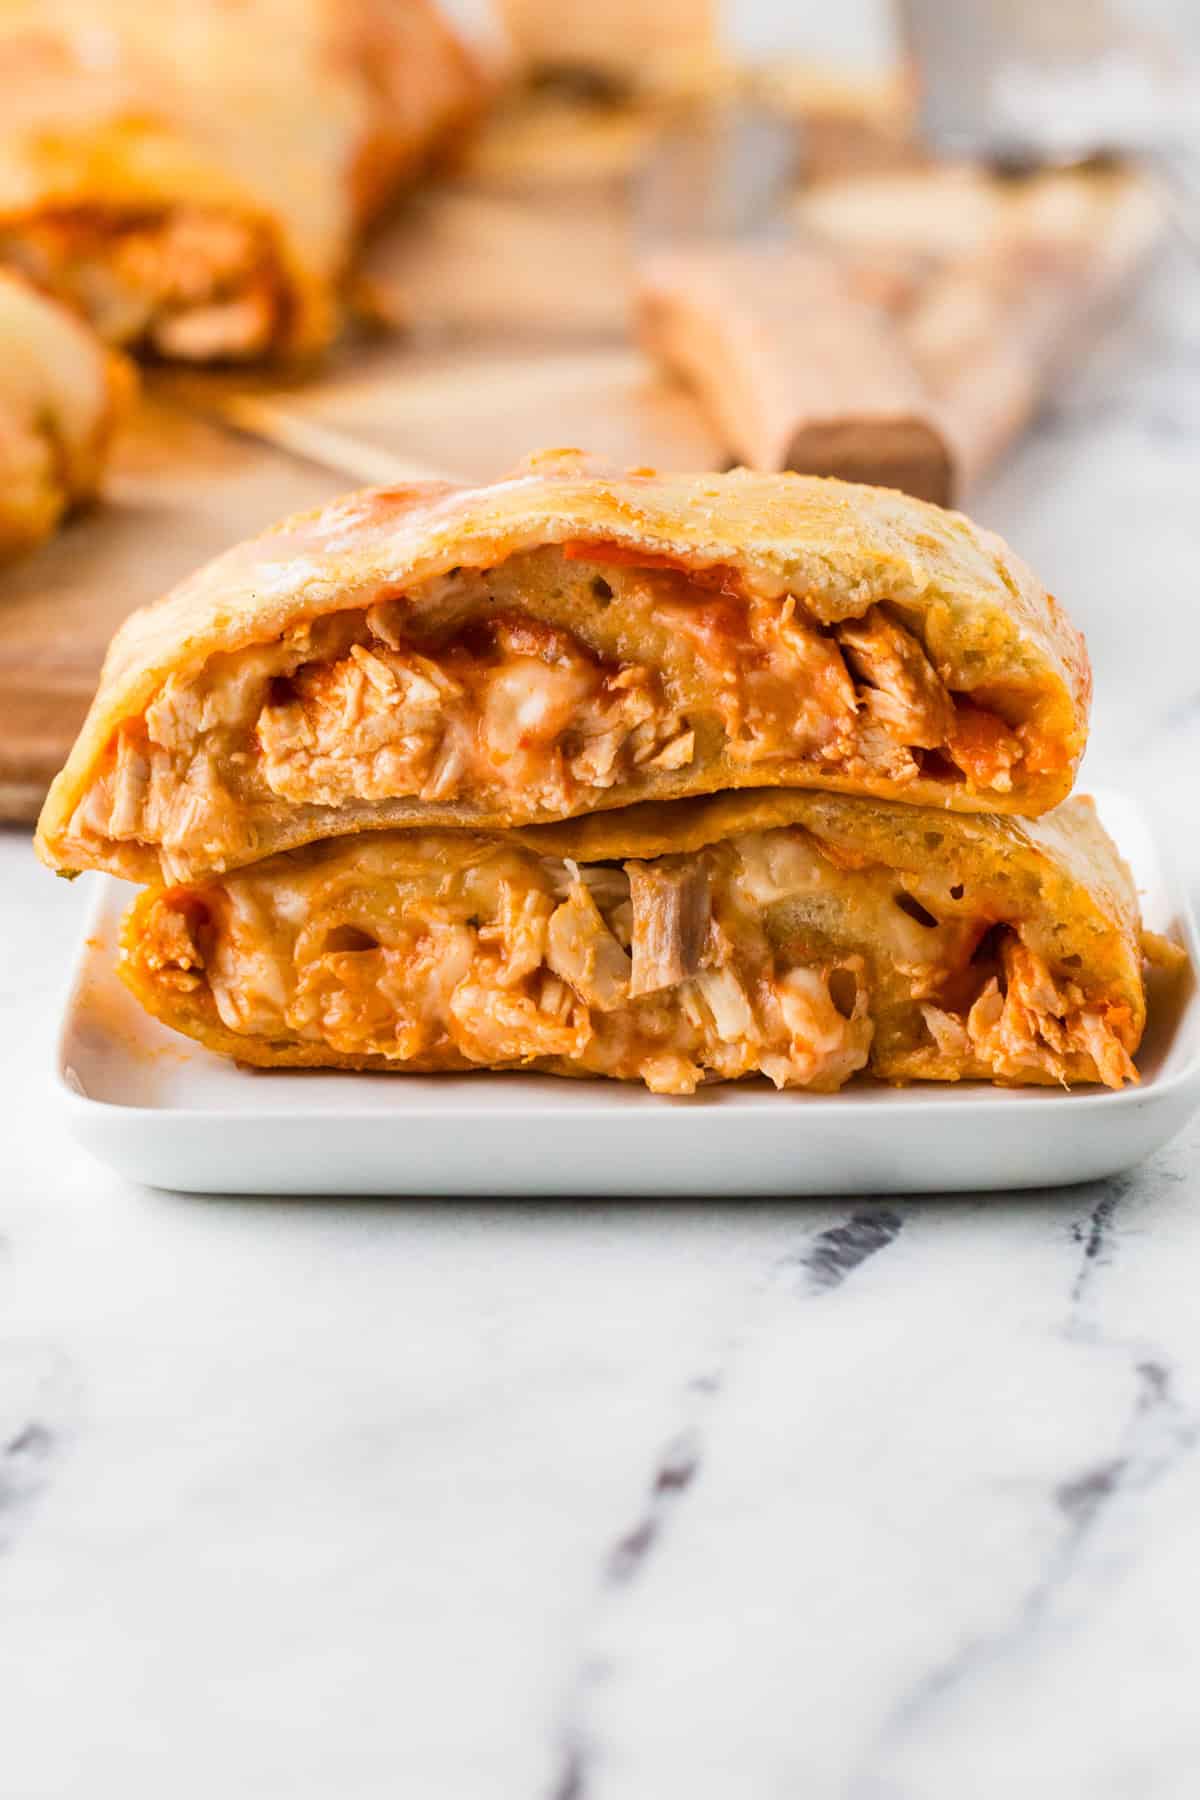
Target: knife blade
(324,445)
(796,370)
(724,170)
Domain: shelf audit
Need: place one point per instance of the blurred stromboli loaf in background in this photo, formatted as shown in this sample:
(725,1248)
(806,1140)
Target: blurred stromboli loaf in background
(194,176)
(62,395)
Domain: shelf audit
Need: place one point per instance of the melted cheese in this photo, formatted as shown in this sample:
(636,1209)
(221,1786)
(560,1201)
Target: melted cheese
(462,696)
(438,957)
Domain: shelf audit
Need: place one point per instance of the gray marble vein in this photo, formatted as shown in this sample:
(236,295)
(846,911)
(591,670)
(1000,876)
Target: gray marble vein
(820,1263)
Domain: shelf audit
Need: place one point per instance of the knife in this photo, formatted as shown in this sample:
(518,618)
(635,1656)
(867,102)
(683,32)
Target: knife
(322,445)
(797,370)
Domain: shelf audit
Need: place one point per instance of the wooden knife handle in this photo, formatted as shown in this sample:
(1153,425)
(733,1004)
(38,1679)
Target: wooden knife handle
(796,370)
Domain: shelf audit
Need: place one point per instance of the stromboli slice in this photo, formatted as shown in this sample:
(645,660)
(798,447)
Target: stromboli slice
(193,175)
(562,642)
(802,936)
(61,396)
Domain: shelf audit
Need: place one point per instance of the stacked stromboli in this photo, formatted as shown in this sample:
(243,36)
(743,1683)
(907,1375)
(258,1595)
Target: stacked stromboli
(666,778)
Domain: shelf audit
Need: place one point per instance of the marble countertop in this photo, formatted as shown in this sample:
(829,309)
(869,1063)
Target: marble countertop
(484,1501)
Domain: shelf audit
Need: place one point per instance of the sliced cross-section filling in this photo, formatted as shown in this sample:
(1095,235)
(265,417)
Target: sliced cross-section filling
(194,284)
(517,709)
(1026,1018)
(431,657)
(754,952)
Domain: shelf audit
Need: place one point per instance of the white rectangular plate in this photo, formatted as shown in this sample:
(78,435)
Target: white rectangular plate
(162,1110)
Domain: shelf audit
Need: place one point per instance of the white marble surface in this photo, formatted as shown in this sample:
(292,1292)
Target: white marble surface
(631,1502)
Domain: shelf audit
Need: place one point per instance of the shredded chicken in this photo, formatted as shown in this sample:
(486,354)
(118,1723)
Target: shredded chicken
(759,954)
(584,952)
(983,747)
(518,959)
(794,694)
(360,1004)
(491,1027)
(192,284)
(1035,1021)
(534,715)
(130,784)
(170,949)
(825,1048)
(729,1004)
(462,695)
(949,1033)
(520,934)
(367,727)
(672,906)
(903,695)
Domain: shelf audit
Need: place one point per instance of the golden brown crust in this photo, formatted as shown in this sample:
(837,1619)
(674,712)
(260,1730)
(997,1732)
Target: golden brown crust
(1068,844)
(839,549)
(294,121)
(1058,883)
